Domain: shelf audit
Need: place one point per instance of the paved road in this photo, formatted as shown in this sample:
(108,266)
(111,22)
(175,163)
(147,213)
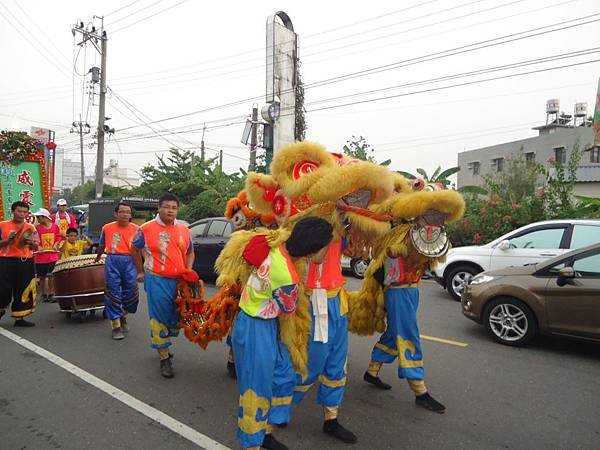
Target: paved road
(545,396)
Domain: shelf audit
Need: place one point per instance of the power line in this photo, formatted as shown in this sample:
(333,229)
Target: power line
(40,29)
(309,46)
(440,88)
(121,8)
(306,56)
(455,51)
(470,73)
(52,62)
(149,17)
(135,12)
(419,59)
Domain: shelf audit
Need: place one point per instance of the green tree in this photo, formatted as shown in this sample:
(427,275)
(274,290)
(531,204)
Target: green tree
(202,186)
(358,148)
(559,184)
(519,179)
(83,194)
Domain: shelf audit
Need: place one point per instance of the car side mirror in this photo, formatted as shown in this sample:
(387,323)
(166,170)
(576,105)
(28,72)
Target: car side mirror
(504,245)
(564,275)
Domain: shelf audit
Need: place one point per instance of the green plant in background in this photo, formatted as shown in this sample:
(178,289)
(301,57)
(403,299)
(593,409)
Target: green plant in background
(560,180)
(358,148)
(588,207)
(525,192)
(202,186)
(438,175)
(17,145)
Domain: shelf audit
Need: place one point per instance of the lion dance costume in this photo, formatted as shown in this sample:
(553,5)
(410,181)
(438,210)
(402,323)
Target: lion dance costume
(389,296)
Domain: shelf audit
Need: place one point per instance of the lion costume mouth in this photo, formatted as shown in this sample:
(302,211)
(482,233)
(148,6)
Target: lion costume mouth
(358,199)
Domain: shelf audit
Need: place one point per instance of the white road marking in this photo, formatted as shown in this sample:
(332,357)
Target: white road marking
(169,422)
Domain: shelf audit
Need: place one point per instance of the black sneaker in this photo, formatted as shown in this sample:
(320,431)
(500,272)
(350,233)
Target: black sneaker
(333,428)
(376,381)
(166,368)
(51,298)
(23,323)
(44,298)
(231,370)
(272,444)
(428,402)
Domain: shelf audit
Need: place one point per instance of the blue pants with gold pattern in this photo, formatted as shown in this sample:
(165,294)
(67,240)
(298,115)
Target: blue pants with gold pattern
(265,377)
(401,338)
(162,309)
(327,361)
(121,291)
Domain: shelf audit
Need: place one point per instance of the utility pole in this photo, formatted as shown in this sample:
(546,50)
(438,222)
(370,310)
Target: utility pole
(81,151)
(101,118)
(81,128)
(202,143)
(252,165)
(91,35)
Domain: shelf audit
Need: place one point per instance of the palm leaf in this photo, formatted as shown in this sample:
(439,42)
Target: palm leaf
(435,174)
(423,173)
(406,175)
(446,173)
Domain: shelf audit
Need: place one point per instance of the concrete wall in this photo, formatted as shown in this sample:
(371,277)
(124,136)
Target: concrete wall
(542,146)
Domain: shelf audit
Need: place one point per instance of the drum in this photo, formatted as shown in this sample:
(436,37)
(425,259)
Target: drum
(79,283)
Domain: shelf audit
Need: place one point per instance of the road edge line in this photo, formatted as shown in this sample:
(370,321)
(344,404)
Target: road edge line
(158,416)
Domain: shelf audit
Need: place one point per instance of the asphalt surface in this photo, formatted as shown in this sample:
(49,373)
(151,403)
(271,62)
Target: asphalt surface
(544,396)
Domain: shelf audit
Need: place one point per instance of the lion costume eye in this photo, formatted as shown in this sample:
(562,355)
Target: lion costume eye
(303,168)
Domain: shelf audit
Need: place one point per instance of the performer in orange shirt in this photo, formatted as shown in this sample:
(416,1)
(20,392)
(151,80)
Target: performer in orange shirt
(167,249)
(18,241)
(121,292)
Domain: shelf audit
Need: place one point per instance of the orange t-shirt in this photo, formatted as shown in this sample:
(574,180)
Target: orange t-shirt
(117,239)
(164,247)
(331,271)
(15,250)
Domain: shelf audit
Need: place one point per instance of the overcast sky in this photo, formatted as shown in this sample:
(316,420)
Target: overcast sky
(194,55)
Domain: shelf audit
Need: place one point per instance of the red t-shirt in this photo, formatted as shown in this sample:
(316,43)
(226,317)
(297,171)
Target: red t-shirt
(64,221)
(48,237)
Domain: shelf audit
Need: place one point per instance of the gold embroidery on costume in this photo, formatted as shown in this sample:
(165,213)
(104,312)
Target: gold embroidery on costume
(403,346)
(252,405)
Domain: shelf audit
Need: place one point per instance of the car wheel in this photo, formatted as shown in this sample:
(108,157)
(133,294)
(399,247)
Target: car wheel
(457,278)
(359,267)
(510,321)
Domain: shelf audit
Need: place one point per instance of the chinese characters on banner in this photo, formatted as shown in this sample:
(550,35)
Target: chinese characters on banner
(21,181)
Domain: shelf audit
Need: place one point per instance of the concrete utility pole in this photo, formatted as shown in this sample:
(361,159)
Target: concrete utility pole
(202,154)
(81,150)
(252,165)
(101,118)
(90,35)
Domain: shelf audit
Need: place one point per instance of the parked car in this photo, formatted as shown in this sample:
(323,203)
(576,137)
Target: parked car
(532,243)
(560,296)
(209,236)
(356,266)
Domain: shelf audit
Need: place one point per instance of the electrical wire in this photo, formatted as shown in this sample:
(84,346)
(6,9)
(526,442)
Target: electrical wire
(135,12)
(149,17)
(52,62)
(121,8)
